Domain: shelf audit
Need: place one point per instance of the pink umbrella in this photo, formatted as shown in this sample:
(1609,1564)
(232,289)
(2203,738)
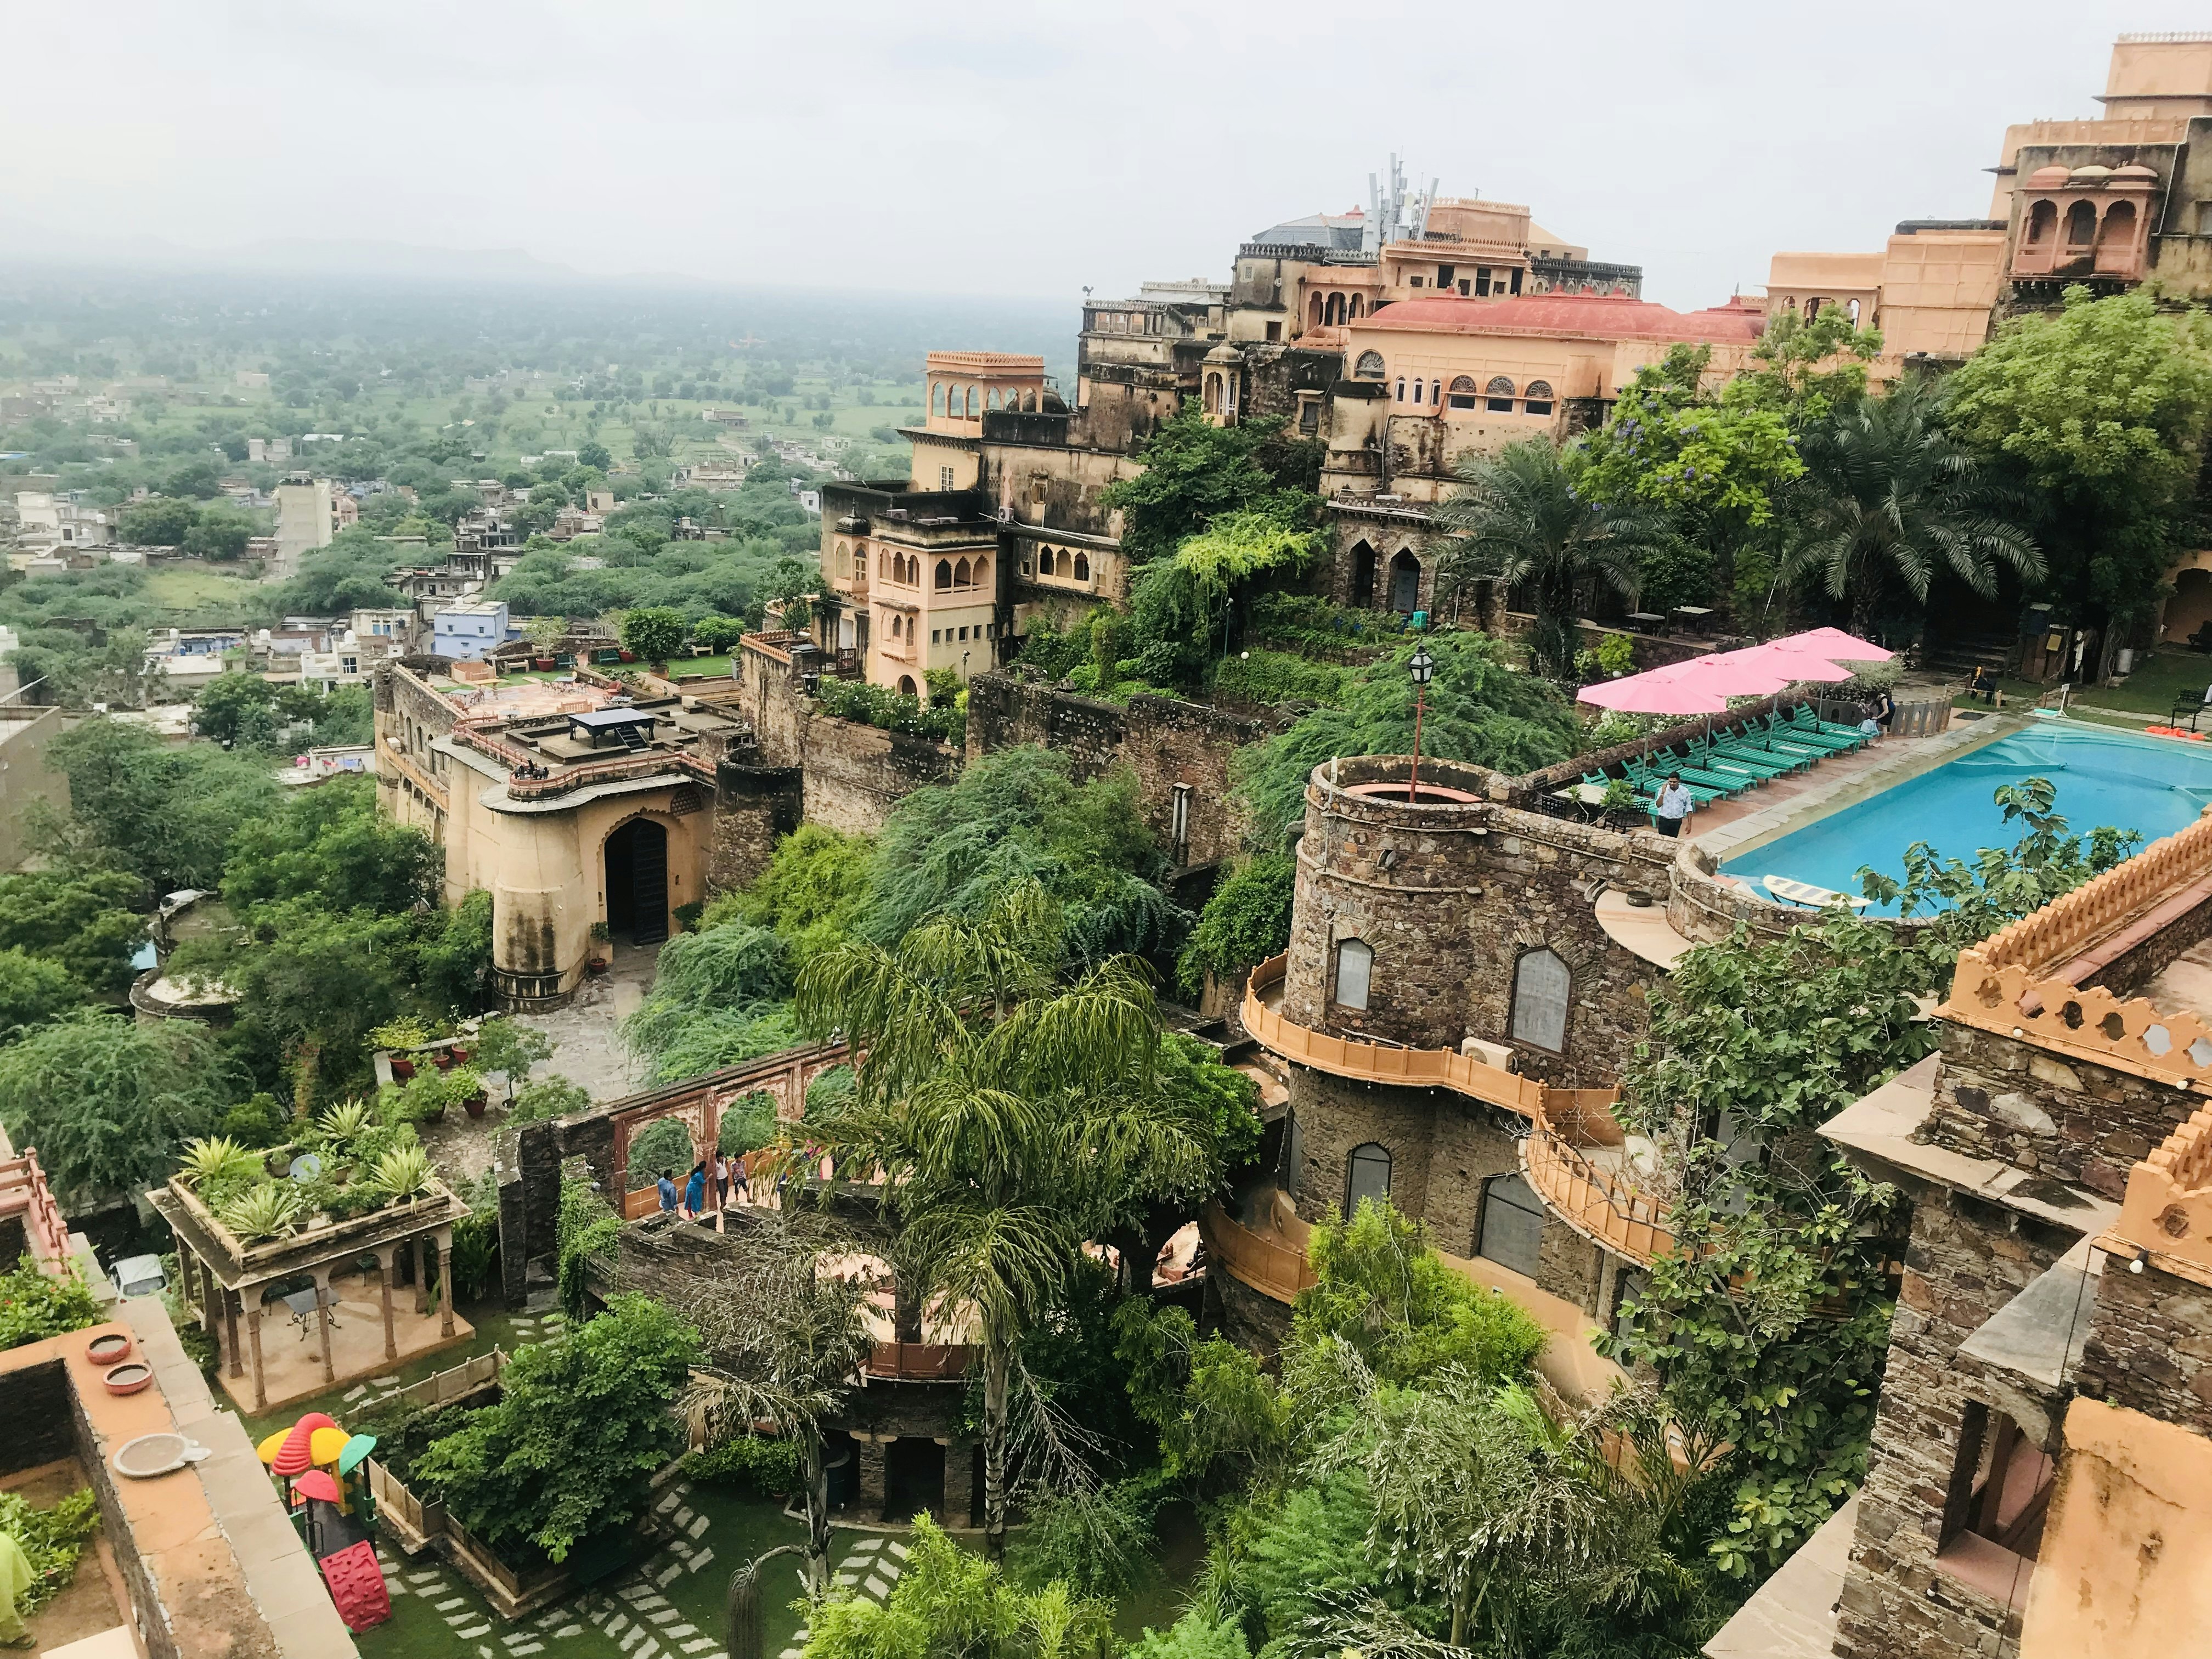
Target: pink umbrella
(1665,690)
(1736,673)
(1837,646)
(1787,661)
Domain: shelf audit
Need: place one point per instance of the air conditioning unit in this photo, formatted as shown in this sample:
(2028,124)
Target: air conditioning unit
(1490,1054)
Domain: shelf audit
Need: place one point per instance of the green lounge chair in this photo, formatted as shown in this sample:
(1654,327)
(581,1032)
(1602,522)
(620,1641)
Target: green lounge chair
(1782,730)
(1804,719)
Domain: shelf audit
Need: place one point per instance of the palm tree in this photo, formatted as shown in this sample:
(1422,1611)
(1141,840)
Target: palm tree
(1888,493)
(1521,519)
(783,1342)
(1009,1116)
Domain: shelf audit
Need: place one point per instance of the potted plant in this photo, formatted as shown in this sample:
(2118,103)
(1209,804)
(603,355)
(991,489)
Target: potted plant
(469,1088)
(602,954)
(545,634)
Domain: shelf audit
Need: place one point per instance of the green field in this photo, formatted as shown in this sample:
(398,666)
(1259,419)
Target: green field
(191,589)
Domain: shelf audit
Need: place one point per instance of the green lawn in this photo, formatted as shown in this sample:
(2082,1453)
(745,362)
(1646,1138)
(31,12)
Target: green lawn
(2156,682)
(196,587)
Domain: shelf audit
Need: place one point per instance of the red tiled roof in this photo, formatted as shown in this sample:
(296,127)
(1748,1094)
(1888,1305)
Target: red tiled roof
(1607,316)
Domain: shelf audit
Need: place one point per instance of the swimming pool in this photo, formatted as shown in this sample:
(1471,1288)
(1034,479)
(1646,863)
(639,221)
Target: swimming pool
(2153,785)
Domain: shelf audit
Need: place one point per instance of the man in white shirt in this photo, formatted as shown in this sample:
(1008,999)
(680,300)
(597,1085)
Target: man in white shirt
(1674,804)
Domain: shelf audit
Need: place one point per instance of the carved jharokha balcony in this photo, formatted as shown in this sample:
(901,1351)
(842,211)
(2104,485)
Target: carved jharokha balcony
(1573,1155)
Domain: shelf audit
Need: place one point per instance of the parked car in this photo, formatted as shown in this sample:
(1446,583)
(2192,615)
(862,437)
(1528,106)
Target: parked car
(139,1275)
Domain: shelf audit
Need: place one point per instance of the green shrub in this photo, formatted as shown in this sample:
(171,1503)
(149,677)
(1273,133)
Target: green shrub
(35,1305)
(1247,920)
(51,1540)
(766,1464)
(1277,677)
(548,1097)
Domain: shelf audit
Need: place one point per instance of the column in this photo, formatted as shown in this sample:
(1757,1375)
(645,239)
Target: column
(871,1500)
(961,1508)
(322,1276)
(445,1283)
(253,1335)
(387,1258)
(230,1301)
(207,1294)
(421,1275)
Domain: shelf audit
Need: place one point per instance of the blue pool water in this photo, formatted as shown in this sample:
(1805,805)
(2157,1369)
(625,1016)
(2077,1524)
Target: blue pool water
(2153,785)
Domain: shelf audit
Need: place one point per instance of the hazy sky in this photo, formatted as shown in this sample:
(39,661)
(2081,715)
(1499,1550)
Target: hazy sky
(1017,149)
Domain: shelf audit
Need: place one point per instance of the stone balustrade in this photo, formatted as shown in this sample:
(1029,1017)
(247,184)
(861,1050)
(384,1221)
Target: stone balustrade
(2074,922)
(1604,1207)
(2167,1210)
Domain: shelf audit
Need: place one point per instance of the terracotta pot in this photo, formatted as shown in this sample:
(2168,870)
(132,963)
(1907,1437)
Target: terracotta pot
(403,1068)
(109,1348)
(475,1104)
(443,1059)
(627,656)
(130,1377)
(542,662)
(596,967)
(460,1056)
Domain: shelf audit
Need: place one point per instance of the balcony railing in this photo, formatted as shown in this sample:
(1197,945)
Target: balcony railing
(1274,1270)
(920,1362)
(1603,1206)
(23,1191)
(522,785)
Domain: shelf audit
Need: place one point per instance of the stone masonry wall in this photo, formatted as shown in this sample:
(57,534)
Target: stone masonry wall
(1450,897)
(1965,1260)
(1164,741)
(854,774)
(2075,1122)
(754,807)
(1443,1147)
(2149,1346)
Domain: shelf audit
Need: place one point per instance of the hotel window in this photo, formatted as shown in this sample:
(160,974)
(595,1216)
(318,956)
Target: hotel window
(1370,367)
(944,573)
(1539,398)
(1401,388)
(1435,392)
(1500,391)
(945,477)
(990,630)
(937,636)
(1540,988)
(1083,567)
(1366,1175)
(1355,973)
(963,637)
(1512,1228)
(1420,388)
(1462,391)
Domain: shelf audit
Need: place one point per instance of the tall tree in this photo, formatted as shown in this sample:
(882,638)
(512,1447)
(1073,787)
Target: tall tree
(1889,498)
(2103,405)
(1010,1115)
(1522,517)
(1195,473)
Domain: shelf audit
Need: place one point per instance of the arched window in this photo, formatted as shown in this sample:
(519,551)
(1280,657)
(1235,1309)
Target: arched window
(1314,321)
(844,558)
(886,565)
(1401,388)
(1045,561)
(982,572)
(936,397)
(1539,400)
(897,627)
(944,573)
(906,685)
(1083,567)
(1362,573)
(1851,308)
(1366,1176)
(1359,307)
(961,577)
(1214,394)
(1370,367)
(2080,225)
(1335,309)
(1500,394)
(1435,392)
(2042,220)
(1462,391)
(1421,390)
(1540,987)
(1355,972)
(2116,237)
(1405,582)
(1512,1230)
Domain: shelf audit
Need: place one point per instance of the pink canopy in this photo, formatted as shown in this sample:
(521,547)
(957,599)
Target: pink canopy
(1667,691)
(1748,673)
(1835,645)
(1786,662)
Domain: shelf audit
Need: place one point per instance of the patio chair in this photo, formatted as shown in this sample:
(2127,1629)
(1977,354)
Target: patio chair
(1722,753)
(1803,719)
(1806,733)
(2189,704)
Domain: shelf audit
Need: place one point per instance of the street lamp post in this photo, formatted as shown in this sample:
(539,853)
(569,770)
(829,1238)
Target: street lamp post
(1423,669)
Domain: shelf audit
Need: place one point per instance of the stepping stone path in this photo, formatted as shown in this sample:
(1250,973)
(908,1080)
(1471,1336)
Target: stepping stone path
(869,1568)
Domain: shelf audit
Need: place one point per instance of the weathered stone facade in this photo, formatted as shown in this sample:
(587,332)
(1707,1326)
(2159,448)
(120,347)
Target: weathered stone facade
(2008,1100)
(2150,1346)
(854,774)
(755,807)
(1173,748)
(1450,896)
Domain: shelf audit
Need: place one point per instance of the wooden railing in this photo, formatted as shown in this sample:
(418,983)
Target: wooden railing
(23,1191)
(920,1362)
(1606,1208)
(1273,1269)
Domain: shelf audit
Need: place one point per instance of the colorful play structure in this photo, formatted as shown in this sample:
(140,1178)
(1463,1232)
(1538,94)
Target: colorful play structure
(322,1472)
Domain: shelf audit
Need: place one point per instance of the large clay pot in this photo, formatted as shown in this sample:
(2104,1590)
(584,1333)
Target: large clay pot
(474,1103)
(108,1348)
(129,1377)
(402,1069)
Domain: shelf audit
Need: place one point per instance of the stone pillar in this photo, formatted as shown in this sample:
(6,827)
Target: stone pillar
(386,1257)
(871,1500)
(207,1295)
(421,1275)
(322,1293)
(260,1379)
(961,1508)
(230,1301)
(445,1283)
(514,1235)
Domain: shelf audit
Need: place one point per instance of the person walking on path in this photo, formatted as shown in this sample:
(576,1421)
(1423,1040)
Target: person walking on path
(1674,804)
(668,1190)
(695,1190)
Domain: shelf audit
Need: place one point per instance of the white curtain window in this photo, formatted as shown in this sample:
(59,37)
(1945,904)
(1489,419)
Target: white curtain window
(1355,971)
(1540,987)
